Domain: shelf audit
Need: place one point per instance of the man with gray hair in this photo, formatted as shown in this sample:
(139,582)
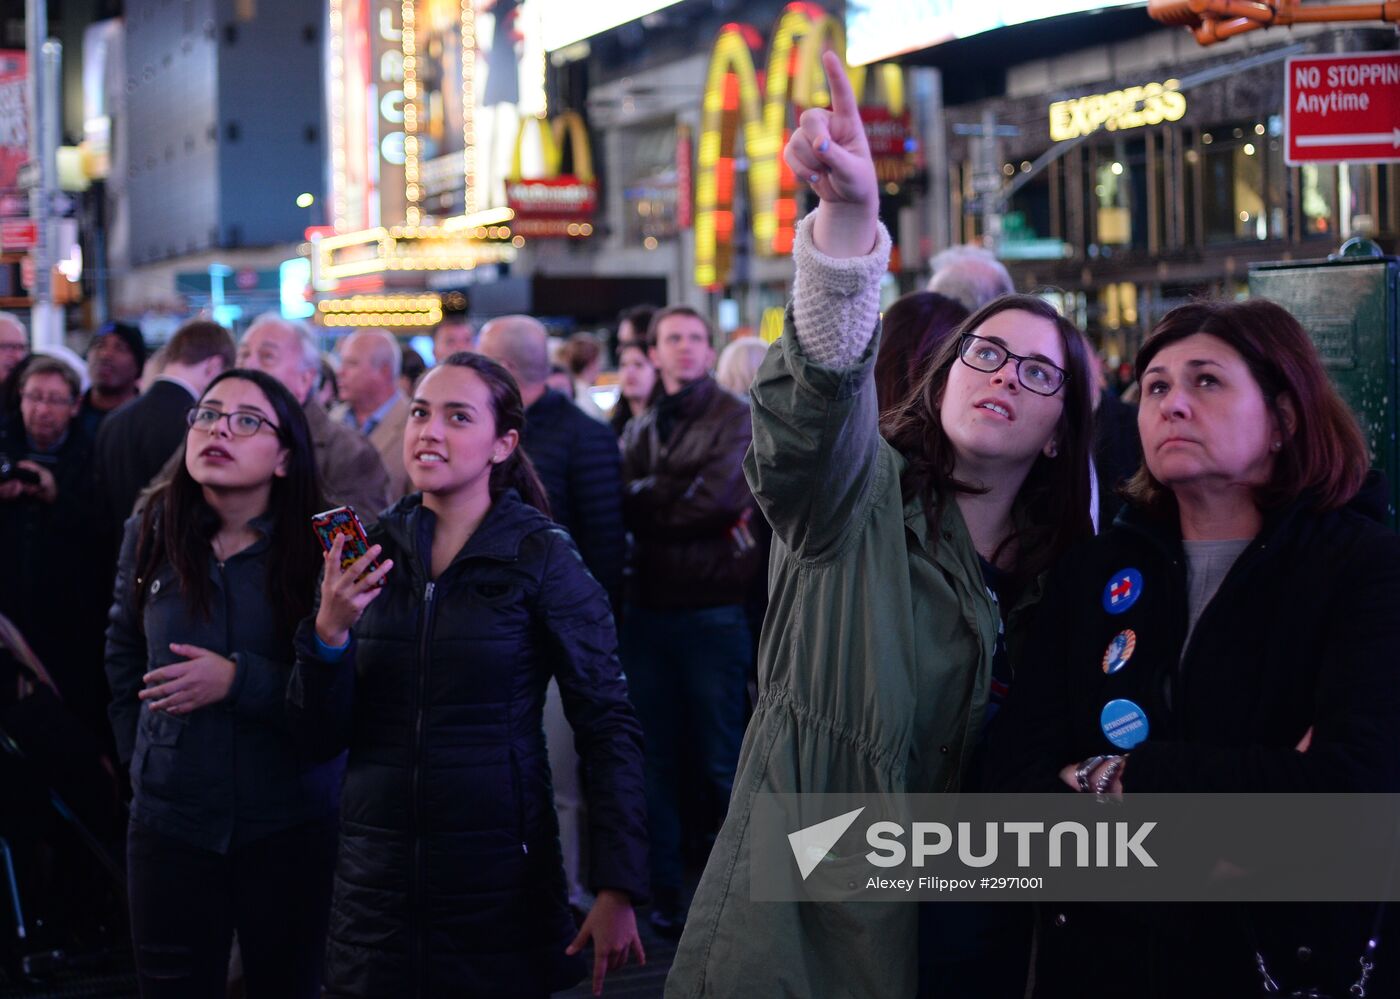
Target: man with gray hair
(373,404)
(350,469)
(971,275)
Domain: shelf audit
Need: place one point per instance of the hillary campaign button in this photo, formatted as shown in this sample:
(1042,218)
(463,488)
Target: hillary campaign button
(1119,651)
(1123,723)
(1122,591)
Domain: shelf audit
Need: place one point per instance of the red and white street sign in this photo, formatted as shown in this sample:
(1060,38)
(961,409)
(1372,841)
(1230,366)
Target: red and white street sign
(1343,108)
(19,234)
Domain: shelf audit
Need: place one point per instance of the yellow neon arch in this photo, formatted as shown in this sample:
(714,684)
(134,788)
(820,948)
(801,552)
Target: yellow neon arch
(794,58)
(553,133)
(794,79)
(731,98)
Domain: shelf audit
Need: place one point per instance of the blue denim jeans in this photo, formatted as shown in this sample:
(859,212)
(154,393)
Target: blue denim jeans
(686,670)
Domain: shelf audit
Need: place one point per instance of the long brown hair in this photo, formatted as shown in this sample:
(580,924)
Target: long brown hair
(1051,510)
(1326,456)
(516,472)
(178,524)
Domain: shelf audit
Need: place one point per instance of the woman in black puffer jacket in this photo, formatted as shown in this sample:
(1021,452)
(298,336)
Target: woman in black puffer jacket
(449,880)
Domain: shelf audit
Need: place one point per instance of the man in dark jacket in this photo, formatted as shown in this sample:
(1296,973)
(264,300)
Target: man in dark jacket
(685,639)
(577,460)
(115,358)
(576,457)
(138,439)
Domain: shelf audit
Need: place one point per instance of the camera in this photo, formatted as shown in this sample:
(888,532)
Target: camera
(9,470)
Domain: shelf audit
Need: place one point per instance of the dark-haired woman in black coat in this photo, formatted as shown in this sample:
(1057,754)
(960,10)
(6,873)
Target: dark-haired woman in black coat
(1235,632)
(450,878)
(232,819)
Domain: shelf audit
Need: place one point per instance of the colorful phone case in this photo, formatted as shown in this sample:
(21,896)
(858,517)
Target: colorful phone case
(343,520)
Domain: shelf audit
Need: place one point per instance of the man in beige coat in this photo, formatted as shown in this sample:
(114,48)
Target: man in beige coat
(371,402)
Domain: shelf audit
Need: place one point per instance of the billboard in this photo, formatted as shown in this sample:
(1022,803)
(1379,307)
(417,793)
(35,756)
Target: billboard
(877,29)
(425,97)
(14,131)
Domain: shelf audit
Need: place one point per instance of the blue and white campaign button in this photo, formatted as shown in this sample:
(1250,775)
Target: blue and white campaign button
(1119,651)
(1122,591)
(1124,723)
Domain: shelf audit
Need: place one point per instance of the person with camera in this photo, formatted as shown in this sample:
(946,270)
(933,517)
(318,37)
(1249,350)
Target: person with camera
(47,532)
(232,814)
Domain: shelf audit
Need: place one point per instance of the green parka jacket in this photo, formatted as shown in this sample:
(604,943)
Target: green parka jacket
(874,669)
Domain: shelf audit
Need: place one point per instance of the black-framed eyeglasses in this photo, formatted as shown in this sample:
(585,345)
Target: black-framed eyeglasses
(239,424)
(1034,373)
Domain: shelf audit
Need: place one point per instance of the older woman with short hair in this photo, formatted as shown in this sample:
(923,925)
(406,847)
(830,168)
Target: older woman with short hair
(1236,631)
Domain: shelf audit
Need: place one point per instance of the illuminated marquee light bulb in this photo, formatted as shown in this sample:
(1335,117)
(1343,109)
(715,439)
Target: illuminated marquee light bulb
(468,32)
(337,112)
(409,47)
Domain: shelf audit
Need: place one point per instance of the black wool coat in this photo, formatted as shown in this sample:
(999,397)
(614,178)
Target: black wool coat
(1304,632)
(450,880)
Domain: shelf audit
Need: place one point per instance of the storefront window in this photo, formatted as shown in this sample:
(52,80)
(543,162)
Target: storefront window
(1234,173)
(1119,196)
(1317,199)
(1271,137)
(1113,224)
(1357,183)
(1032,204)
(650,191)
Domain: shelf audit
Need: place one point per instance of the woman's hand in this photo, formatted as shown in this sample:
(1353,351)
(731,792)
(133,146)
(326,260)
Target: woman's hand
(1069,774)
(345,593)
(204,678)
(829,151)
(612,926)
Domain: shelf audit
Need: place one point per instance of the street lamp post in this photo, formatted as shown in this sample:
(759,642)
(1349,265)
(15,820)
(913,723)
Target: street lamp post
(45,57)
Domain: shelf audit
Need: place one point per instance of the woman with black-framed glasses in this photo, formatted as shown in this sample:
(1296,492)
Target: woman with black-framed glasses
(232,819)
(903,558)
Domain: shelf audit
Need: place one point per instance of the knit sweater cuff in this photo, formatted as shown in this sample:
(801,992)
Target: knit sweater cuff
(835,302)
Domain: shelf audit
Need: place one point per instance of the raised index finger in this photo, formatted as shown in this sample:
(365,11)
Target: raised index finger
(838,85)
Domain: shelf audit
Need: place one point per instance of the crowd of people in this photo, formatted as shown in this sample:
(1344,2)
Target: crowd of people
(875,556)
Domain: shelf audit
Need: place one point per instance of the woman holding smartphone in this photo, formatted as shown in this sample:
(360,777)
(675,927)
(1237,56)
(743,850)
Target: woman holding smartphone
(232,823)
(432,668)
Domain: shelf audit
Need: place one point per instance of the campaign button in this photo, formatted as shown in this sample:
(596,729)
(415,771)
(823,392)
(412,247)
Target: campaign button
(1122,591)
(1119,651)
(1124,723)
